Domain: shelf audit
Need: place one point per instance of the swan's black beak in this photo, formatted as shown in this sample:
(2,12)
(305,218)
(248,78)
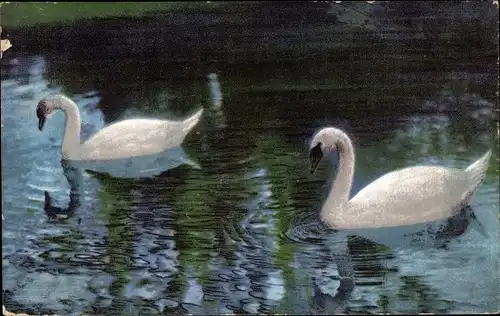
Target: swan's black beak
(315,156)
(41,121)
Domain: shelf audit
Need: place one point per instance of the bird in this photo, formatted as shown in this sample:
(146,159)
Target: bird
(124,139)
(406,196)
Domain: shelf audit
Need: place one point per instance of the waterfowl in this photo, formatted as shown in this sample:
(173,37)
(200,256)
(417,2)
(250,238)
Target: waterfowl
(402,197)
(124,139)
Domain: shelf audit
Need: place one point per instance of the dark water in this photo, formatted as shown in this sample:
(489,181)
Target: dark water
(240,234)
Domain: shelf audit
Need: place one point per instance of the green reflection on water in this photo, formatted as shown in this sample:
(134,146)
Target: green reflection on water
(415,290)
(115,211)
(195,222)
(282,166)
(66,243)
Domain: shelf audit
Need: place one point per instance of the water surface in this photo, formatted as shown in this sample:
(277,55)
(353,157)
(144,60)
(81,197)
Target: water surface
(240,233)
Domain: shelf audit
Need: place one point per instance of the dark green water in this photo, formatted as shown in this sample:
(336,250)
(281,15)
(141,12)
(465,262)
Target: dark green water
(239,234)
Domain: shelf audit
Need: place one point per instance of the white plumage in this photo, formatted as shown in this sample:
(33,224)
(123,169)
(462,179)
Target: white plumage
(403,197)
(124,139)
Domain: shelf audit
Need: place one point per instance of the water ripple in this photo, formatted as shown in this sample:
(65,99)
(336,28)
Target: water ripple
(239,235)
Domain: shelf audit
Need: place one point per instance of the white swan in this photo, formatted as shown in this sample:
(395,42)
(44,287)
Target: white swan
(402,197)
(124,139)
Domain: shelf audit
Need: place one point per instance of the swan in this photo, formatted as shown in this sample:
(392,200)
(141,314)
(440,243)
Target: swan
(124,139)
(399,198)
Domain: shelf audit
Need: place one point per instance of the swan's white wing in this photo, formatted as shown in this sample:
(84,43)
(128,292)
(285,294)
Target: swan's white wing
(405,197)
(135,137)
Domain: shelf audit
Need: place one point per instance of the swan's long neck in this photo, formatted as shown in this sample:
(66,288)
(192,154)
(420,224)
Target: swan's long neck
(339,194)
(71,141)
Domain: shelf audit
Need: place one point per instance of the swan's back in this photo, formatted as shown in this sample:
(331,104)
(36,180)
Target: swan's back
(412,195)
(137,137)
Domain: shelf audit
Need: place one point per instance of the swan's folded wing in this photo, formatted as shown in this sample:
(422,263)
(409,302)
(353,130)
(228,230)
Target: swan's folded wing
(408,196)
(130,138)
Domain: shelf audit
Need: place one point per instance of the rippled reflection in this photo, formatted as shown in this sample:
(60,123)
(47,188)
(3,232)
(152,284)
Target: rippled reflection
(74,177)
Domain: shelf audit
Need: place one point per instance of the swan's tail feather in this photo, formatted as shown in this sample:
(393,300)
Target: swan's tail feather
(481,165)
(476,173)
(191,121)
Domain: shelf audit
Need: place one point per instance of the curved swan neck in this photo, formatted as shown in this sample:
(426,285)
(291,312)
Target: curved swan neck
(339,194)
(71,141)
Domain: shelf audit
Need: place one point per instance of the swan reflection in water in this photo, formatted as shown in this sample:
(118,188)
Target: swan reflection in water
(338,242)
(136,168)
(341,246)
(74,176)
(332,304)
